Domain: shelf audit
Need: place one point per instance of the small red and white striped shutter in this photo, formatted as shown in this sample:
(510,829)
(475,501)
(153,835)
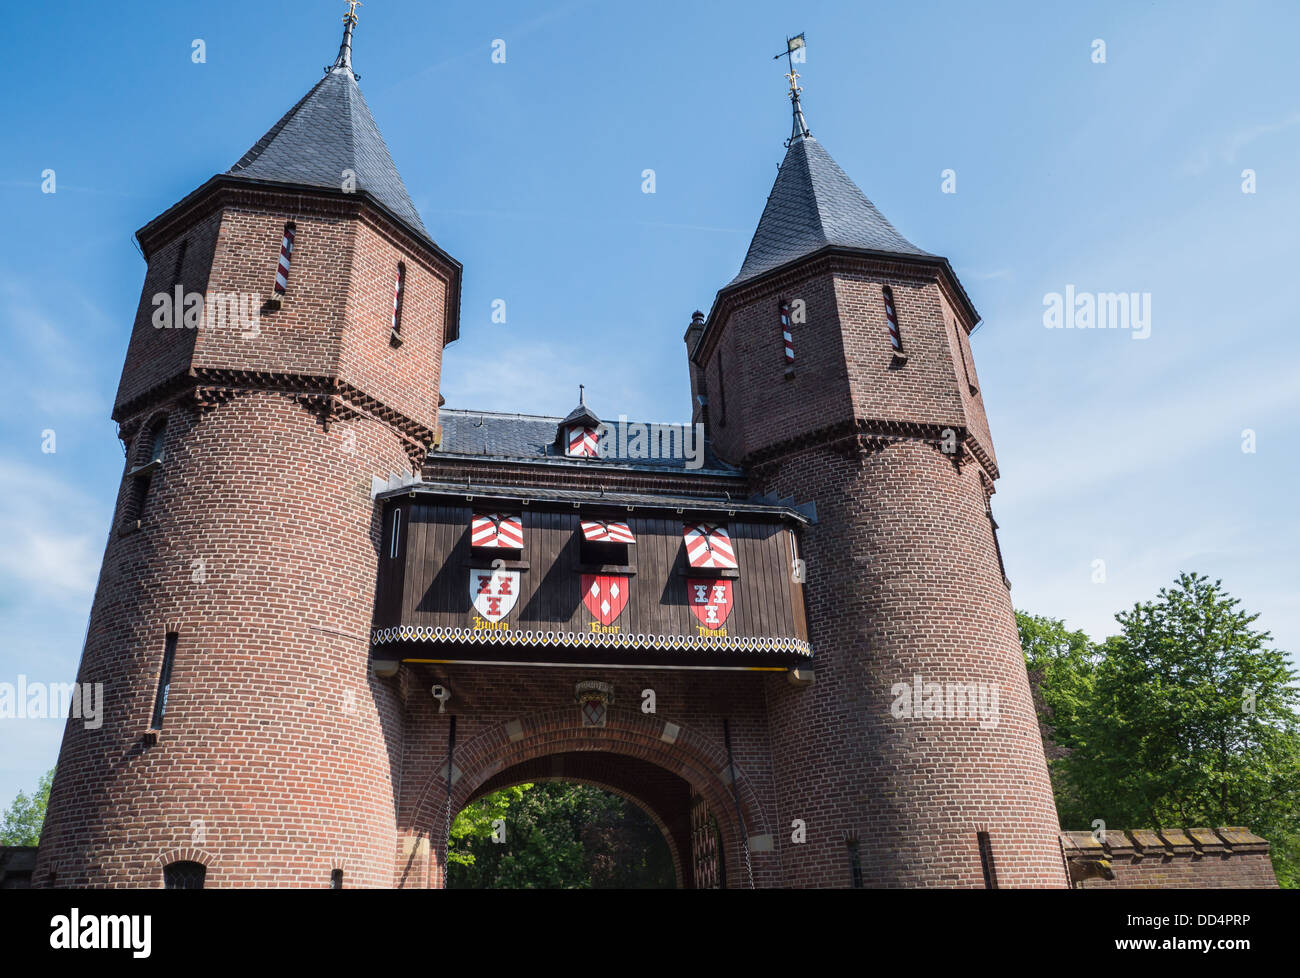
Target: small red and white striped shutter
(607,531)
(497,531)
(708,545)
(398,287)
(785,331)
(286,254)
(895,338)
(583,442)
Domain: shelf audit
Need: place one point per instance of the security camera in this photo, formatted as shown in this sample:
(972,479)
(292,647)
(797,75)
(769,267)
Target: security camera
(442,695)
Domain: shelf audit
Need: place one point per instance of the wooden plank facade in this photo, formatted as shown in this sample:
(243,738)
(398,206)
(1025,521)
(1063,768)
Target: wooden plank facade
(429,573)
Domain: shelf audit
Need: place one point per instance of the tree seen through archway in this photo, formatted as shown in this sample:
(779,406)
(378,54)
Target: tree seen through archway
(557,835)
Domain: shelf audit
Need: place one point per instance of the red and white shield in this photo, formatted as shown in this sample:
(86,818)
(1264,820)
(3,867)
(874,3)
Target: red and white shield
(605,595)
(494,592)
(710,600)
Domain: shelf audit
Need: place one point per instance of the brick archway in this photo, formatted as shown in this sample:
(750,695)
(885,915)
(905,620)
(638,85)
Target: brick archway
(699,760)
(608,780)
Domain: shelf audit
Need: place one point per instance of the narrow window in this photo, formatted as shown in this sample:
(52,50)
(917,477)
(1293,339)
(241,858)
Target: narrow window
(957,331)
(996,545)
(397,526)
(184,876)
(286,256)
(336,879)
(722,394)
(986,861)
(164,681)
(891,317)
(147,463)
(855,864)
(399,290)
(180,262)
(786,336)
(158,443)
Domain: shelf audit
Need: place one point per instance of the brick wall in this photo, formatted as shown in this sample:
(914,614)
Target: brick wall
(903,581)
(1146,859)
(278,754)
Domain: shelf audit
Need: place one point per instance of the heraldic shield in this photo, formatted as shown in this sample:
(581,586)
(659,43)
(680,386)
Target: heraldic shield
(605,595)
(493,592)
(710,600)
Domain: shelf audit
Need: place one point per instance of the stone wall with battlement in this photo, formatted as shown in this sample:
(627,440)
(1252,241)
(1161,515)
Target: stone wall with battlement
(1146,859)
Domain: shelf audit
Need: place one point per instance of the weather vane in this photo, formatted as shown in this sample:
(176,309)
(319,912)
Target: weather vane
(793,44)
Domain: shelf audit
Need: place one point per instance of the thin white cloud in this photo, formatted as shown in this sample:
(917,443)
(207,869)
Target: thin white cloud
(54,536)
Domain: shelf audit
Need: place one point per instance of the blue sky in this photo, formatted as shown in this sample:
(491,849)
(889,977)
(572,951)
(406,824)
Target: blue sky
(1116,176)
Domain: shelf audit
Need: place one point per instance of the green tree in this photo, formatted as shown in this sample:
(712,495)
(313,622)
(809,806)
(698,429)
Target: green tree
(567,836)
(477,821)
(1190,720)
(22,822)
(1062,666)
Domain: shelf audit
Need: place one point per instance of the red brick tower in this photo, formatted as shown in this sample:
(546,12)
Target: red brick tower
(837,369)
(238,581)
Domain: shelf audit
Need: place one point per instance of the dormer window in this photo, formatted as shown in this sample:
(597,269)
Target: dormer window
(578,435)
(583,441)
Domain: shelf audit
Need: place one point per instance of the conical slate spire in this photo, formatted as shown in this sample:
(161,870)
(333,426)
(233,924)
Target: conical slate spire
(814,204)
(330,140)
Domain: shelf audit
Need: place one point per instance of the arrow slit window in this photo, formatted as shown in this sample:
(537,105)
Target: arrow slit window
(399,293)
(786,336)
(164,681)
(891,319)
(286,257)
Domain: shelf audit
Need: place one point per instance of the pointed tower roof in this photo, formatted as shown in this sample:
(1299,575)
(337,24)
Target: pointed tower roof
(328,132)
(814,204)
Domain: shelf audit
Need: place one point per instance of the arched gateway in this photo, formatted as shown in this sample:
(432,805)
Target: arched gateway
(332,611)
(629,756)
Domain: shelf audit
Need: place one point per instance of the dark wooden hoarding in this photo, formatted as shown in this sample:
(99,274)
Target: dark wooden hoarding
(430,574)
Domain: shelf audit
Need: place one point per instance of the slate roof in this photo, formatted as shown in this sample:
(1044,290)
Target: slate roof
(814,204)
(529,437)
(644,500)
(331,130)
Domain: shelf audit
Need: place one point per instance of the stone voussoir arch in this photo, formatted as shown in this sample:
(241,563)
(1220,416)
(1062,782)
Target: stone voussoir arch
(188,854)
(698,759)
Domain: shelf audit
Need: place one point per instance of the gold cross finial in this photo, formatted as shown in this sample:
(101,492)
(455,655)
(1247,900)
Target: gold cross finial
(352,10)
(794,78)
